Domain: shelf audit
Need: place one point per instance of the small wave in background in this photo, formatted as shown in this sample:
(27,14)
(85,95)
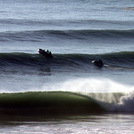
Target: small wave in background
(124,60)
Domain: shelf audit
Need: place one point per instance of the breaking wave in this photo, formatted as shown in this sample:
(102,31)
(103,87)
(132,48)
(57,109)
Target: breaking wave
(55,103)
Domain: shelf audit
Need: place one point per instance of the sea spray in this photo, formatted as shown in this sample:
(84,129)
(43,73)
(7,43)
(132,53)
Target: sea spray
(89,85)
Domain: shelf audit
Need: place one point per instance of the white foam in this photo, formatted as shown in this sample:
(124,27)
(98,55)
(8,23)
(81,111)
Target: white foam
(126,103)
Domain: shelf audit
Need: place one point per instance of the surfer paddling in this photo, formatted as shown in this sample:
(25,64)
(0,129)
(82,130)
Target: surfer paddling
(47,53)
(99,63)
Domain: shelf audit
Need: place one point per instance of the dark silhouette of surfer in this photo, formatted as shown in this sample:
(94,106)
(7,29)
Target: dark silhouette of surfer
(99,63)
(47,53)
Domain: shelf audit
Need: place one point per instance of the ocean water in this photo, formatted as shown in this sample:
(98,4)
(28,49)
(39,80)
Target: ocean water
(66,93)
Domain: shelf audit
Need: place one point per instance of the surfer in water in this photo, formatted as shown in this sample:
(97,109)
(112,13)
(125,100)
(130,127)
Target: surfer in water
(99,63)
(47,53)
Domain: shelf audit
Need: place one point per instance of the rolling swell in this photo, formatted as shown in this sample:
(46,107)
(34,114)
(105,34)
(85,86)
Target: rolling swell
(74,61)
(41,35)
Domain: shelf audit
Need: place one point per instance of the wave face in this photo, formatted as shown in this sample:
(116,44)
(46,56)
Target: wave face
(124,60)
(47,104)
